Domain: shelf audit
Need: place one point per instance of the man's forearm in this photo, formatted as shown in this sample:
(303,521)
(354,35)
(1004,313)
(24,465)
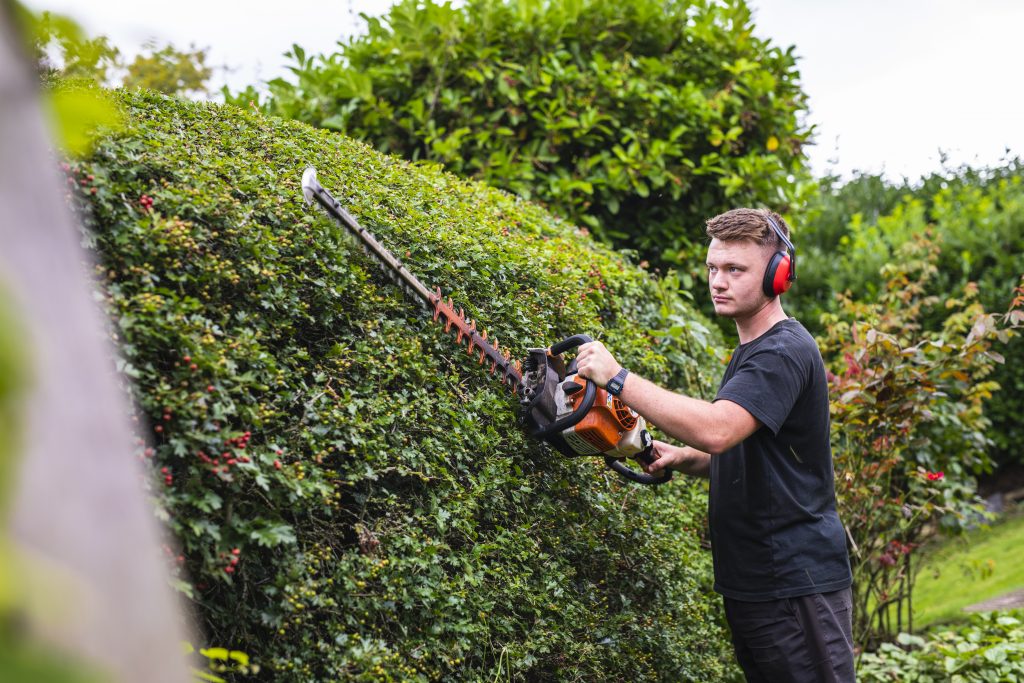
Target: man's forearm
(708,427)
(693,462)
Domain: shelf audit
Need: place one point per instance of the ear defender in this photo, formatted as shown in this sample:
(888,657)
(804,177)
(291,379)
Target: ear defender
(781,271)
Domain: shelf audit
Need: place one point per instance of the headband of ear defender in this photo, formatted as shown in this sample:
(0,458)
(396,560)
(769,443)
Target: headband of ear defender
(781,269)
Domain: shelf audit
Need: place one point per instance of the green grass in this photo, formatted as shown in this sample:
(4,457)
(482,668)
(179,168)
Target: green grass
(984,564)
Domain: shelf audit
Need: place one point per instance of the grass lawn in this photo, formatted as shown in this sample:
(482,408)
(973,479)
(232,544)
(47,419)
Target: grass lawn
(984,564)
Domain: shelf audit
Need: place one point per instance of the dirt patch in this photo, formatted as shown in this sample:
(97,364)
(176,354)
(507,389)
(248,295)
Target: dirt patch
(1011,600)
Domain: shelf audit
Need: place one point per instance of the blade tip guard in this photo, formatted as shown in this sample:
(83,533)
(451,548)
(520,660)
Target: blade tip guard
(309,184)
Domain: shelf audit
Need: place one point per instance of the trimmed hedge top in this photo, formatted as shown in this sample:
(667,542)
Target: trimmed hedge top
(353,497)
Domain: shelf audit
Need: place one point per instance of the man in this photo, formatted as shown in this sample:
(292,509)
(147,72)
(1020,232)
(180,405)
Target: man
(778,546)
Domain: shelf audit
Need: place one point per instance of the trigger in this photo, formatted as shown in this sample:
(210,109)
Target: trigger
(571,387)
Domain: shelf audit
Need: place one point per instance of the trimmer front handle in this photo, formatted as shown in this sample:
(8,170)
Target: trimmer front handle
(645,458)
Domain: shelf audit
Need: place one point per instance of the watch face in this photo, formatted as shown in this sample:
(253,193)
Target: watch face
(615,386)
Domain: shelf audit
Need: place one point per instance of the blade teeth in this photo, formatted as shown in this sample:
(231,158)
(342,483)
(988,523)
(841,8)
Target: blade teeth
(477,343)
(435,302)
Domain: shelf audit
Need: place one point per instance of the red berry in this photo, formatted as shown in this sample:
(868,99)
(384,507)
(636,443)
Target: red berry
(164,470)
(193,367)
(210,388)
(167,417)
(229,569)
(234,561)
(236,551)
(158,429)
(187,359)
(277,464)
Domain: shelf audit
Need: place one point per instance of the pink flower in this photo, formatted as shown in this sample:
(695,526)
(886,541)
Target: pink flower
(935,476)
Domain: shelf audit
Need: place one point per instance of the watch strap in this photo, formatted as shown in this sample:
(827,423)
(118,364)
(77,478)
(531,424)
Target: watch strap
(615,384)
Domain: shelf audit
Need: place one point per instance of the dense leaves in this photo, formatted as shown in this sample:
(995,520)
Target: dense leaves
(990,647)
(169,70)
(352,496)
(977,215)
(909,427)
(637,119)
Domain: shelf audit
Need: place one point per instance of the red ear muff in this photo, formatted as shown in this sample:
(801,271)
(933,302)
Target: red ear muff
(781,269)
(777,277)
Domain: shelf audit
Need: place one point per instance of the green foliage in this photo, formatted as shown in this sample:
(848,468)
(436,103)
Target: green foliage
(62,50)
(976,214)
(989,648)
(909,430)
(220,661)
(170,71)
(13,381)
(22,660)
(638,119)
(80,114)
(353,497)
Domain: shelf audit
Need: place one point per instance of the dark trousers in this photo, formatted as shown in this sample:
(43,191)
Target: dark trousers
(792,640)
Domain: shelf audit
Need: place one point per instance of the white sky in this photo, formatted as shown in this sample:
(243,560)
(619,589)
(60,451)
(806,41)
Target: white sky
(890,82)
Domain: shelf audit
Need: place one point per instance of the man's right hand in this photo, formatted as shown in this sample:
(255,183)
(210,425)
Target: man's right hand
(680,459)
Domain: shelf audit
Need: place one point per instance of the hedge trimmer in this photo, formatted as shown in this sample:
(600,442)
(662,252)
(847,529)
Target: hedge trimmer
(559,407)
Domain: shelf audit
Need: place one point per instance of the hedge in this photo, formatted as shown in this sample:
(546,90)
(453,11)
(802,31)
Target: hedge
(353,497)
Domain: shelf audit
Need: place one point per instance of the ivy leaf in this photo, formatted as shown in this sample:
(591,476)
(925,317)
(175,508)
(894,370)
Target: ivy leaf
(271,535)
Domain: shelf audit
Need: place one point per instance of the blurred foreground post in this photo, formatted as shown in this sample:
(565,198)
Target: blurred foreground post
(94,582)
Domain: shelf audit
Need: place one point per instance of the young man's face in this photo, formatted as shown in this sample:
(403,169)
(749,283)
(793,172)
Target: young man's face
(735,273)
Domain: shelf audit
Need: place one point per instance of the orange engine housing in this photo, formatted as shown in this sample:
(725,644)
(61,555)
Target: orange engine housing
(604,425)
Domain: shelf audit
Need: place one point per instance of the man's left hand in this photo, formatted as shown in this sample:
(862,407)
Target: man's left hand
(596,363)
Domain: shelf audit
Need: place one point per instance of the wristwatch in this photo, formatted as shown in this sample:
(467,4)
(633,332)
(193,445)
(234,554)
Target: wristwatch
(615,384)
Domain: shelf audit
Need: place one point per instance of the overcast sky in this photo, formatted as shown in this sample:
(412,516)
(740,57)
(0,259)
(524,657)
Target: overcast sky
(891,82)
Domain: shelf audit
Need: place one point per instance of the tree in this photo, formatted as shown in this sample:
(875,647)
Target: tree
(61,49)
(638,120)
(170,71)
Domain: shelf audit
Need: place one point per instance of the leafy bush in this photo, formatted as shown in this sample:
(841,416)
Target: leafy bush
(978,217)
(909,428)
(353,498)
(637,119)
(990,647)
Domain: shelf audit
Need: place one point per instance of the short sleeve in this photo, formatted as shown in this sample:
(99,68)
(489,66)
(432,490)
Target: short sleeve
(767,384)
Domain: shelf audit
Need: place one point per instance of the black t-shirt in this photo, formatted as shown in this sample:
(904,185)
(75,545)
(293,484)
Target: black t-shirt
(775,532)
